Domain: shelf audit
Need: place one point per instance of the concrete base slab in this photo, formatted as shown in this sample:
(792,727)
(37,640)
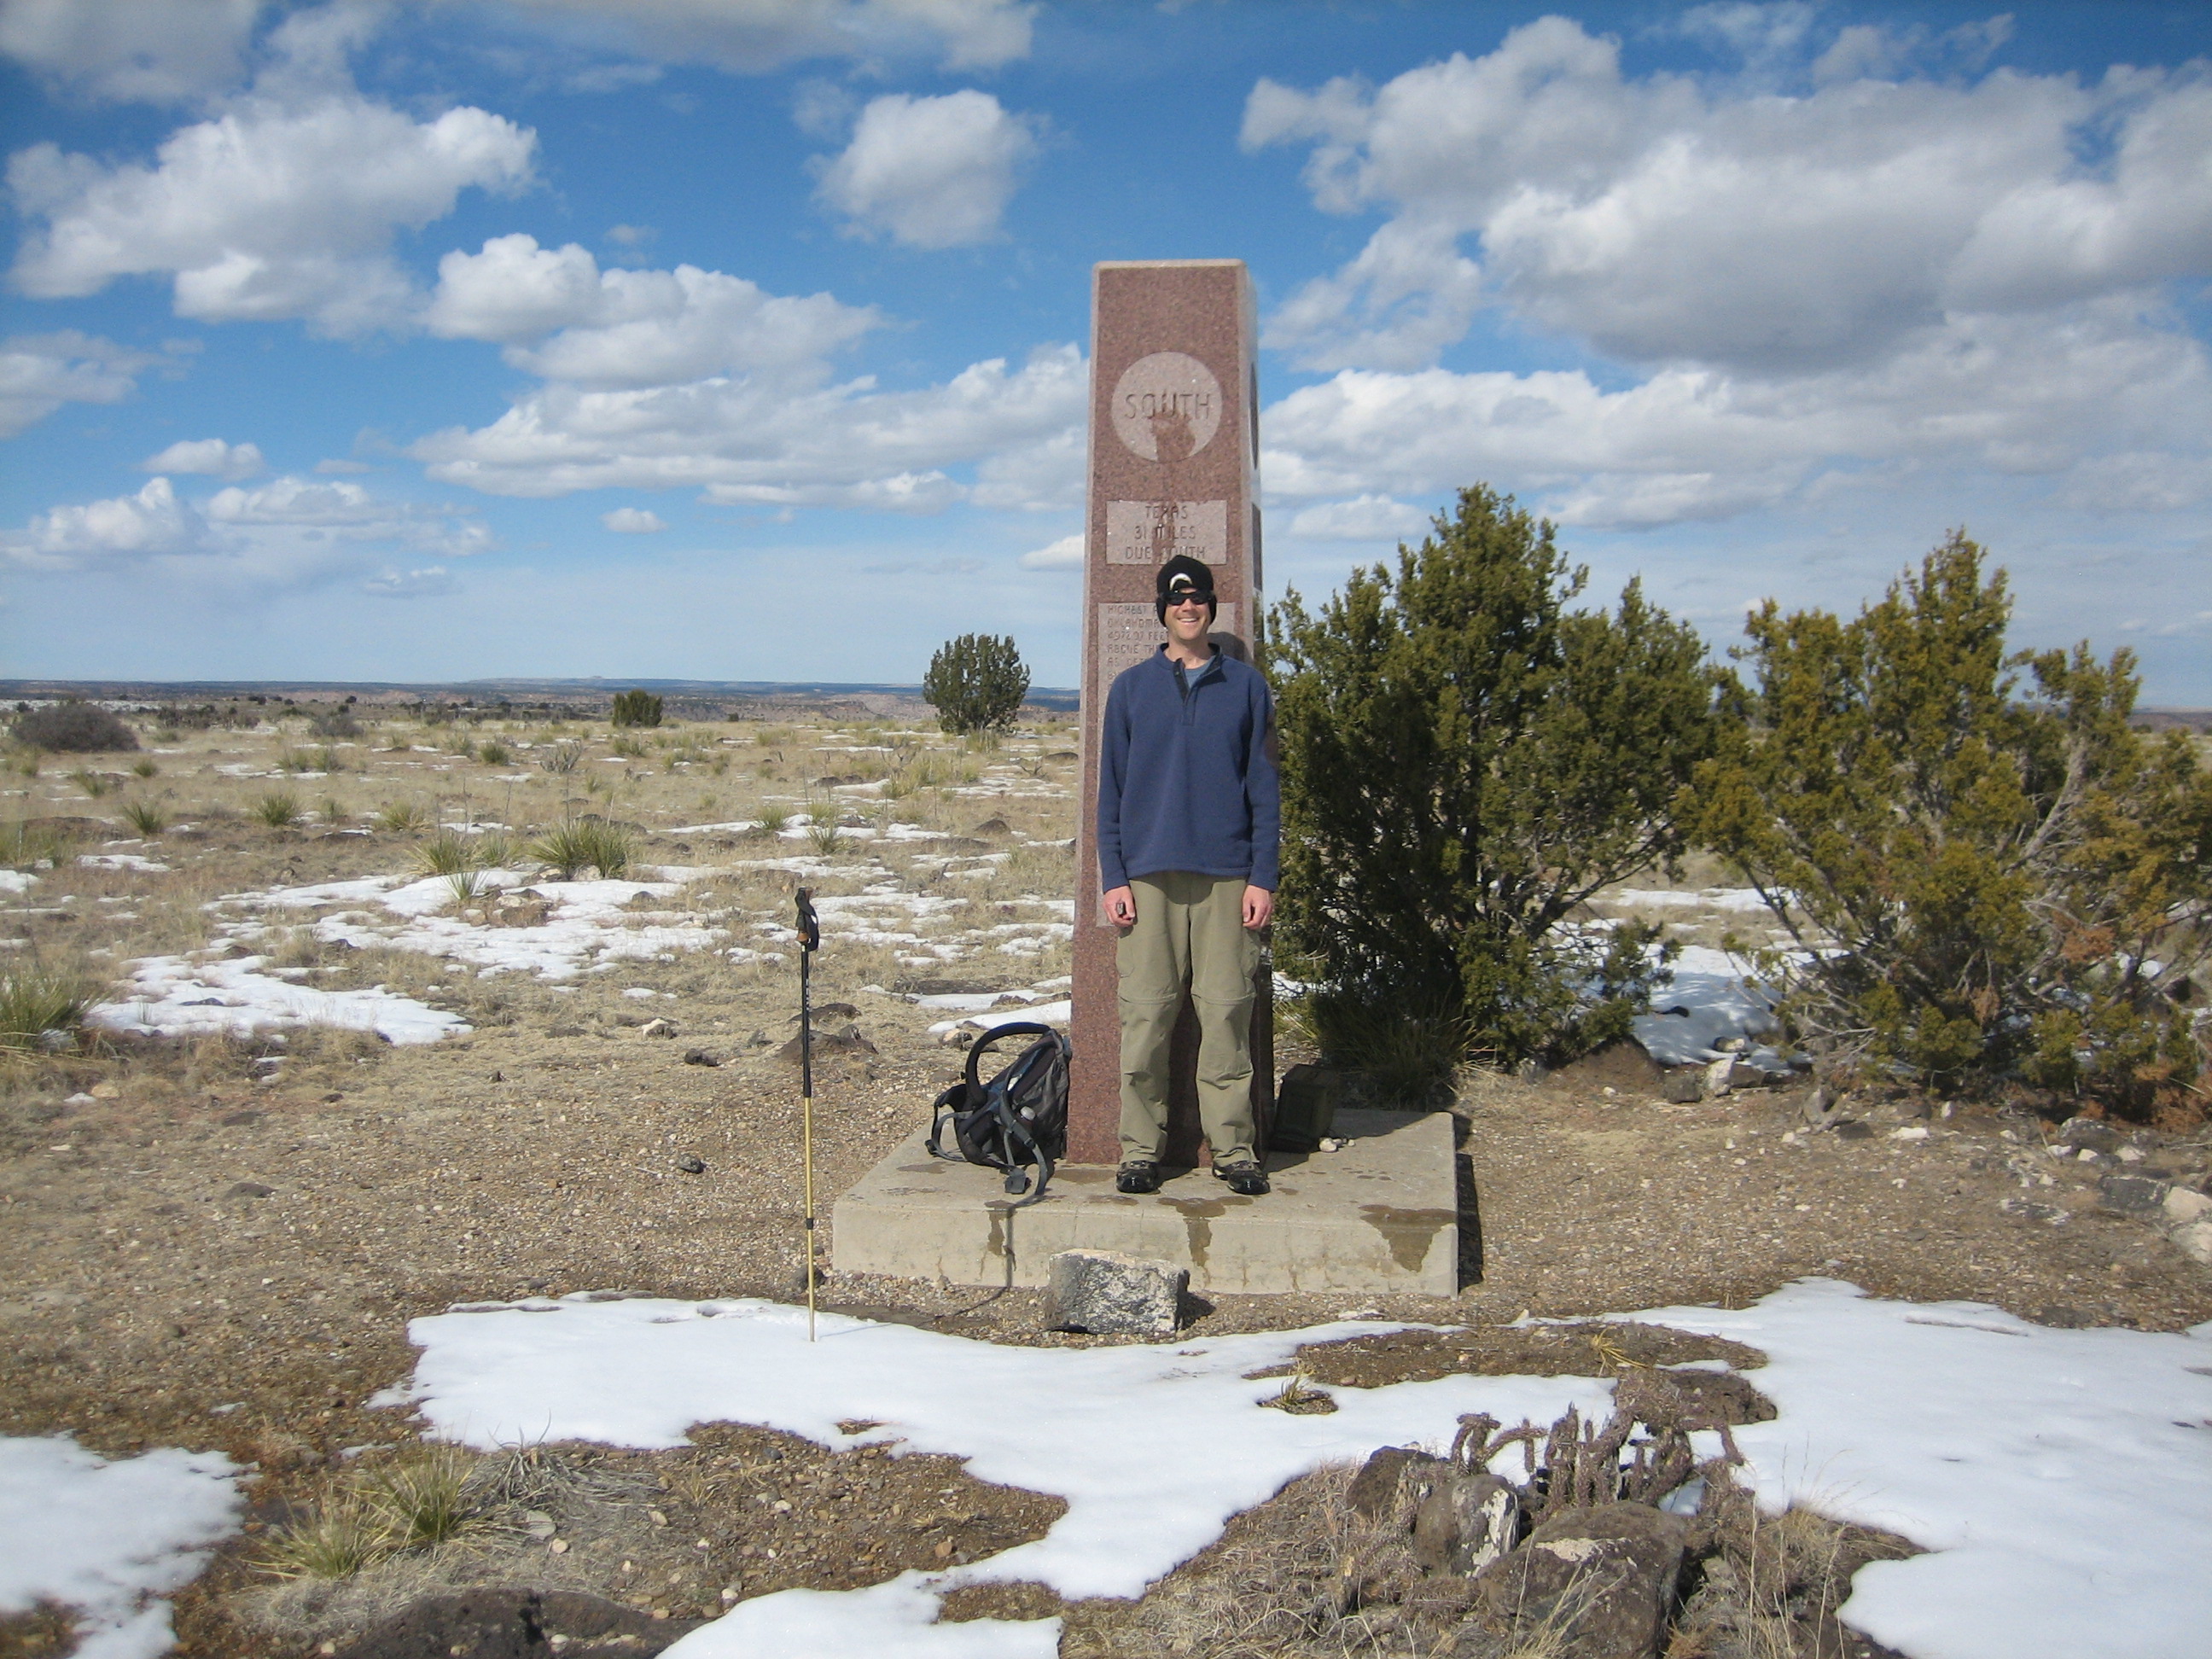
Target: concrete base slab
(1380,1214)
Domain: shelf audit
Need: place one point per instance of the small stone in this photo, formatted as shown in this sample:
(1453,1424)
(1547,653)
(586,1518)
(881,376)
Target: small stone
(1109,1294)
(2195,1241)
(1852,1129)
(691,1165)
(2184,1209)
(1595,1581)
(2088,1133)
(249,1189)
(1916,1132)
(105,1090)
(1683,1085)
(699,1057)
(658,1027)
(2028,1209)
(1720,1076)
(1373,1492)
(559,1547)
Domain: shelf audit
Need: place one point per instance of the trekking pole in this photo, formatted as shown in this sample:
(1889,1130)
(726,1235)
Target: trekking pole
(810,941)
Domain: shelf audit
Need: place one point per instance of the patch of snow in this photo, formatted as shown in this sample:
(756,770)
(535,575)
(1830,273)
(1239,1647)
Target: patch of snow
(16,881)
(109,1539)
(2062,1478)
(1045,1013)
(120,861)
(734,827)
(895,1618)
(1709,898)
(175,996)
(1708,996)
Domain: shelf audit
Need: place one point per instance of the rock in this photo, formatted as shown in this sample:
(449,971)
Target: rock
(2194,1241)
(1852,1129)
(691,1165)
(830,1011)
(1110,1294)
(2088,1132)
(699,1057)
(514,1624)
(1466,1522)
(2131,1194)
(990,827)
(1601,1579)
(826,1043)
(2184,1209)
(1694,1400)
(2028,1209)
(1822,1108)
(239,1119)
(1684,1085)
(1913,1132)
(658,1027)
(249,1189)
(1374,1491)
(1721,1076)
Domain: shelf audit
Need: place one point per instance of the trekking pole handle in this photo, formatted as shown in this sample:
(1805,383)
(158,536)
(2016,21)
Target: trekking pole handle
(810,926)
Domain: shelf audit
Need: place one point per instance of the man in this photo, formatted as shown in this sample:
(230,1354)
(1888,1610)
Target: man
(1189,812)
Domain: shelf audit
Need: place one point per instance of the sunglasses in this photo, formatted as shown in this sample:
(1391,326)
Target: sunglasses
(1189,596)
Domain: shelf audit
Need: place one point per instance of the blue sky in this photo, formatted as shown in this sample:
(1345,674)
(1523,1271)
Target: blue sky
(743,339)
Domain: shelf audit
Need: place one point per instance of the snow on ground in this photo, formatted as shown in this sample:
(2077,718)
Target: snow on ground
(2061,1480)
(990,1019)
(1708,997)
(178,996)
(121,861)
(16,881)
(108,1539)
(1711,898)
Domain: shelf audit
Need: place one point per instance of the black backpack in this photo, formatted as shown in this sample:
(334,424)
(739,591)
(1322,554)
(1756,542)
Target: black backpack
(1017,1119)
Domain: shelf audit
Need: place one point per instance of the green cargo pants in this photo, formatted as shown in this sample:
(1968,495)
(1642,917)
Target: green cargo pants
(1189,931)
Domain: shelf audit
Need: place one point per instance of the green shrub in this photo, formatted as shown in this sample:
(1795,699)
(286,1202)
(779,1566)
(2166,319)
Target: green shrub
(774,815)
(493,752)
(560,759)
(34,1000)
(145,817)
(334,723)
(279,809)
(585,844)
(145,768)
(636,708)
(627,747)
(976,681)
(2020,885)
(73,728)
(92,783)
(1465,763)
(822,835)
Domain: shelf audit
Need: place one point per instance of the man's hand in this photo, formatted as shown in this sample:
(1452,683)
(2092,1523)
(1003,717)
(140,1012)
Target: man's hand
(1121,907)
(1259,906)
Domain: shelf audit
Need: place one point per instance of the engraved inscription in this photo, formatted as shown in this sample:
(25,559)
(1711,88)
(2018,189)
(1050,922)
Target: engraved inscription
(1128,634)
(1167,406)
(1152,533)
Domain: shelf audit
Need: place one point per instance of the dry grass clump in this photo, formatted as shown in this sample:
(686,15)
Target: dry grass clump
(42,1008)
(279,809)
(419,1500)
(25,846)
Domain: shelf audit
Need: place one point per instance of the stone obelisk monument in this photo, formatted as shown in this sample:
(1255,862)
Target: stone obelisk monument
(1174,445)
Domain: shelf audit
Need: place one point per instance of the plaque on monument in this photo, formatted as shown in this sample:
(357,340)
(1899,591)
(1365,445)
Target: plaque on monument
(1174,443)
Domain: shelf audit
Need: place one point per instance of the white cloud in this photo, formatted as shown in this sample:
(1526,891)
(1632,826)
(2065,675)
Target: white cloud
(427,583)
(39,372)
(288,532)
(1362,519)
(1066,554)
(212,457)
(146,50)
(933,173)
(631,328)
(1664,220)
(122,527)
(1817,273)
(282,206)
(335,465)
(787,439)
(634,521)
(752,36)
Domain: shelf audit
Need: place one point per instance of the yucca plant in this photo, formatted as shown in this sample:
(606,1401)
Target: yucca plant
(421,1498)
(145,768)
(448,853)
(494,753)
(34,1000)
(90,781)
(402,817)
(279,809)
(773,816)
(562,757)
(584,844)
(145,817)
(344,1537)
(822,834)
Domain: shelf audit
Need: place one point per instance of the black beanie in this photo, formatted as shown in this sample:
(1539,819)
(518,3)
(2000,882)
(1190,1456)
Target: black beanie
(1178,575)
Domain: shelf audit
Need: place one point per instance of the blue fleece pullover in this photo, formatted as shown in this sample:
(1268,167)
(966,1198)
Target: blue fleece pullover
(1185,780)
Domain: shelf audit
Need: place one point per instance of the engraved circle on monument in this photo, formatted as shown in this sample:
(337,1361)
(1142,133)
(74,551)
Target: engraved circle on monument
(1167,406)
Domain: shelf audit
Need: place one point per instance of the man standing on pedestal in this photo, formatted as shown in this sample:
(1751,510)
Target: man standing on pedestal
(1189,815)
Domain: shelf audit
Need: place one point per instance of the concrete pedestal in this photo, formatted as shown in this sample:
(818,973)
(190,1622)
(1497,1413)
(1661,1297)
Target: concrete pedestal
(1382,1214)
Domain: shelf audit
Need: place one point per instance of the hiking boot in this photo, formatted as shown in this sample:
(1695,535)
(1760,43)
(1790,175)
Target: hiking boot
(1246,1179)
(1138,1177)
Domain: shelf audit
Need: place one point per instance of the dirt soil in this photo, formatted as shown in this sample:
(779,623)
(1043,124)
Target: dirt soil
(208,1252)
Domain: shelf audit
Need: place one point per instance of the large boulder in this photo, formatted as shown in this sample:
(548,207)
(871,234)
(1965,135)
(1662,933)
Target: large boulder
(1109,1294)
(1600,1580)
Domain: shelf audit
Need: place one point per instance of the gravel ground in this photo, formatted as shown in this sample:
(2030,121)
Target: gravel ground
(201,1256)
